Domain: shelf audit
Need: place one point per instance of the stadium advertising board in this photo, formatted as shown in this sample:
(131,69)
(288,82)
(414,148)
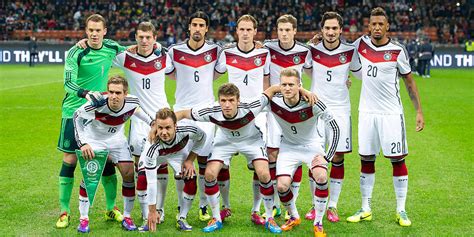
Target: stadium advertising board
(56,53)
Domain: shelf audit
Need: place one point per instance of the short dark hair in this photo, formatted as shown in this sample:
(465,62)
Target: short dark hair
(146,26)
(378,11)
(331,15)
(201,15)
(118,80)
(165,113)
(228,89)
(96,18)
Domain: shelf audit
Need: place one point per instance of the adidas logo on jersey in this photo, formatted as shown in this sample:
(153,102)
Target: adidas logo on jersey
(364,51)
(317,56)
(234,61)
(182,58)
(133,65)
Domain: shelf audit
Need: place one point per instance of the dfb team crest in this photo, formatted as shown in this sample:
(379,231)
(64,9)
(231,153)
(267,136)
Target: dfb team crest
(257,61)
(207,58)
(158,65)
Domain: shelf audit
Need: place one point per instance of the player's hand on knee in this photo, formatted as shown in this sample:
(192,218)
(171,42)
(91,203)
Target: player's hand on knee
(96,98)
(188,169)
(87,152)
(82,43)
(152,220)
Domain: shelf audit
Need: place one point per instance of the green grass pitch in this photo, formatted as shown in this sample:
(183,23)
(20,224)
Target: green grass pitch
(440,164)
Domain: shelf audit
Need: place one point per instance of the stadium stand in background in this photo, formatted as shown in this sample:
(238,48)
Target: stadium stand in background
(444,22)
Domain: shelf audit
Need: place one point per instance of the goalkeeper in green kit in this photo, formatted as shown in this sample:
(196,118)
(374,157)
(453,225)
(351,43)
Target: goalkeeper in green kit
(85,76)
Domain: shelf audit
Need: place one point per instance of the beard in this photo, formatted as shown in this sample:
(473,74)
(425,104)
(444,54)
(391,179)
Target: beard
(197,37)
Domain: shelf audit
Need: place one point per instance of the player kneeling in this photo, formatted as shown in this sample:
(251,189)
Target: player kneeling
(100,127)
(175,145)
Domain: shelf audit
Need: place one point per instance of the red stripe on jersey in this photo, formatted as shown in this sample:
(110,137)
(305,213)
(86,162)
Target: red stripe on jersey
(244,63)
(289,60)
(145,68)
(377,56)
(178,147)
(235,124)
(331,60)
(292,116)
(112,120)
(197,60)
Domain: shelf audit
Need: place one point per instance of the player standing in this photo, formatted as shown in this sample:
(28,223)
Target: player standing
(381,119)
(298,121)
(285,52)
(175,145)
(145,71)
(194,61)
(101,127)
(248,69)
(85,73)
(331,62)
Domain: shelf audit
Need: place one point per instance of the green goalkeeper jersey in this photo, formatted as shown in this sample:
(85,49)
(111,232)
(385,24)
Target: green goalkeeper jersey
(87,69)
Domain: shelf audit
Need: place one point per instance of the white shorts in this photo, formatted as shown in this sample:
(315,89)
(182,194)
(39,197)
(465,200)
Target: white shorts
(382,131)
(251,148)
(291,156)
(174,160)
(209,129)
(138,133)
(273,132)
(116,146)
(344,144)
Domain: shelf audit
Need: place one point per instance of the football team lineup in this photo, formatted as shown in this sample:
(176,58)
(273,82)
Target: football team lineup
(282,133)
(293,132)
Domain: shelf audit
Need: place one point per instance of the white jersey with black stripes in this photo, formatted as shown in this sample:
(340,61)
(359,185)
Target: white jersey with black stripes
(299,123)
(241,126)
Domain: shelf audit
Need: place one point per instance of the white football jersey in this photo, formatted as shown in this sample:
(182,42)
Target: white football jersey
(238,128)
(245,69)
(185,134)
(91,123)
(380,82)
(146,78)
(194,73)
(330,74)
(299,123)
(298,57)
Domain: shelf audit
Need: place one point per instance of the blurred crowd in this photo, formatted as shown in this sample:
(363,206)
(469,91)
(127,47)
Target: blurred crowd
(170,17)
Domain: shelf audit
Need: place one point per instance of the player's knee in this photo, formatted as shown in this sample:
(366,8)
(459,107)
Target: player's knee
(320,174)
(283,186)
(109,169)
(70,158)
(210,174)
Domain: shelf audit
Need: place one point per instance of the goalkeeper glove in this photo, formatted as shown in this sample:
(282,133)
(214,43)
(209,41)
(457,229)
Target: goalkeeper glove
(96,98)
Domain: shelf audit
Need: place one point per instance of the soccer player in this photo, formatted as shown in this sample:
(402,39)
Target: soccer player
(85,74)
(331,62)
(285,52)
(176,145)
(298,121)
(236,133)
(194,61)
(145,71)
(381,119)
(100,127)
(248,69)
